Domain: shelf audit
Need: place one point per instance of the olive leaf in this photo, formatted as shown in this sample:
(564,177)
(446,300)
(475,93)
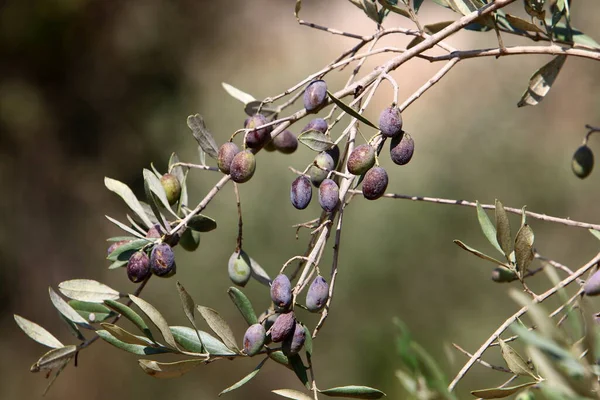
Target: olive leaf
(315,140)
(202,135)
(355,392)
(245,379)
(480,254)
(55,358)
(487,227)
(122,253)
(524,248)
(292,394)
(237,93)
(154,206)
(87,290)
(243,304)
(188,307)
(503,234)
(350,111)
(124,227)
(93,312)
(157,189)
(541,82)
(140,350)
(500,392)
(168,370)
(125,336)
(127,195)
(131,316)
(37,333)
(522,24)
(188,339)
(514,361)
(299,369)
(218,326)
(157,319)
(202,223)
(65,309)
(297,9)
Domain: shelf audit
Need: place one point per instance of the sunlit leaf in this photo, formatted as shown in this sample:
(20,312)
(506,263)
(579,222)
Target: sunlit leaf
(524,248)
(124,227)
(297,8)
(202,135)
(93,312)
(315,140)
(157,319)
(127,195)
(253,107)
(503,234)
(168,370)
(514,361)
(123,252)
(499,393)
(487,227)
(37,333)
(154,206)
(188,339)
(243,304)
(541,82)
(55,358)
(388,5)
(188,307)
(237,93)
(131,316)
(350,111)
(259,273)
(87,290)
(73,327)
(218,326)
(131,348)
(522,24)
(480,254)
(65,309)
(245,379)
(354,392)
(292,394)
(158,190)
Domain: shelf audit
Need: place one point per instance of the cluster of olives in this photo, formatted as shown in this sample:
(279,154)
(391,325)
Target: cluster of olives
(281,325)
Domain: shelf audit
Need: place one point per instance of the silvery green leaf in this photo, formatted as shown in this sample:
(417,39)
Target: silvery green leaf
(125,227)
(480,254)
(168,370)
(127,195)
(37,333)
(503,234)
(202,135)
(123,252)
(92,312)
(245,379)
(501,392)
(132,348)
(157,188)
(541,82)
(524,248)
(154,206)
(514,361)
(125,336)
(243,304)
(131,316)
(487,227)
(65,309)
(157,319)
(315,140)
(188,339)
(350,111)
(55,358)
(354,392)
(87,290)
(237,93)
(219,326)
(292,394)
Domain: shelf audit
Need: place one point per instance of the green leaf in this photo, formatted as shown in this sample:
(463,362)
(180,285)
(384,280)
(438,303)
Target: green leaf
(487,227)
(354,392)
(503,234)
(280,358)
(123,252)
(117,264)
(299,369)
(520,23)
(72,327)
(595,233)
(202,223)
(125,336)
(188,339)
(157,319)
(524,248)
(93,312)
(514,361)
(37,333)
(315,140)
(177,171)
(350,111)
(394,8)
(124,227)
(132,348)
(539,316)
(188,307)
(121,238)
(168,370)
(443,3)
(259,273)
(219,326)
(127,195)
(297,8)
(463,6)
(237,93)
(157,188)
(202,135)
(417,5)
(154,205)
(499,393)
(541,82)
(370,8)
(253,107)
(243,304)
(131,316)
(245,379)
(308,344)
(87,290)
(479,254)
(65,309)
(292,394)
(55,358)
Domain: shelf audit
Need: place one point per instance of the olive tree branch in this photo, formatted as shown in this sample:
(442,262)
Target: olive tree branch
(518,50)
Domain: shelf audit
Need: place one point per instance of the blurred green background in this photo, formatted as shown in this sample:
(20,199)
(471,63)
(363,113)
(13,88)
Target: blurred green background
(102,88)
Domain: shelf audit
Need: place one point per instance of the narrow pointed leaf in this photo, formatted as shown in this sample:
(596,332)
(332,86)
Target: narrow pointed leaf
(417,4)
(125,227)
(353,392)
(92,312)
(299,369)
(280,358)
(123,252)
(157,319)
(480,254)
(131,316)
(154,205)
(297,8)
(218,326)
(157,188)
(258,273)
(202,135)
(72,327)
(522,24)
(127,195)
(386,4)
(245,379)
(202,223)
(87,290)
(308,344)
(131,348)
(595,233)
(499,393)
(315,140)
(514,361)
(188,307)
(487,227)
(125,336)
(292,394)
(55,358)
(188,339)
(539,317)
(237,93)
(177,171)
(168,370)
(243,305)
(117,264)
(37,333)
(65,309)
(524,248)
(541,82)
(350,111)
(59,369)
(253,107)
(503,234)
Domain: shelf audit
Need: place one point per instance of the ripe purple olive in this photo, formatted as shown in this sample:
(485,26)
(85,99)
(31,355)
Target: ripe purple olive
(172,187)
(226,153)
(283,327)
(390,122)
(315,96)
(162,260)
(317,294)
(317,124)
(286,142)
(254,339)
(328,195)
(375,183)
(138,267)
(592,285)
(242,166)
(402,148)
(361,159)
(293,343)
(301,192)
(155,232)
(281,292)
(116,245)
(257,138)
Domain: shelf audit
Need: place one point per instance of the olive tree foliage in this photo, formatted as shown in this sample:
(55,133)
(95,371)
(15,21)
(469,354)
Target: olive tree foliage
(558,363)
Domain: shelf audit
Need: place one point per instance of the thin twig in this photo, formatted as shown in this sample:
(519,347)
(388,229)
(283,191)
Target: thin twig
(434,79)
(238,246)
(484,363)
(519,50)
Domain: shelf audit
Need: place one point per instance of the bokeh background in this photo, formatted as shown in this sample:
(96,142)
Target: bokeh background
(102,88)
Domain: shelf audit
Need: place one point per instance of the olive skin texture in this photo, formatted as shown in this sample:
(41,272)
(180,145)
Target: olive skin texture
(402,148)
(375,183)
(582,162)
(155,232)
(283,327)
(361,159)
(317,124)
(254,339)
(138,267)
(317,294)
(592,285)
(325,164)
(225,156)
(334,152)
(162,260)
(242,166)
(239,269)
(257,138)
(390,122)
(293,343)
(328,195)
(172,187)
(286,142)
(315,96)
(301,192)
(281,292)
